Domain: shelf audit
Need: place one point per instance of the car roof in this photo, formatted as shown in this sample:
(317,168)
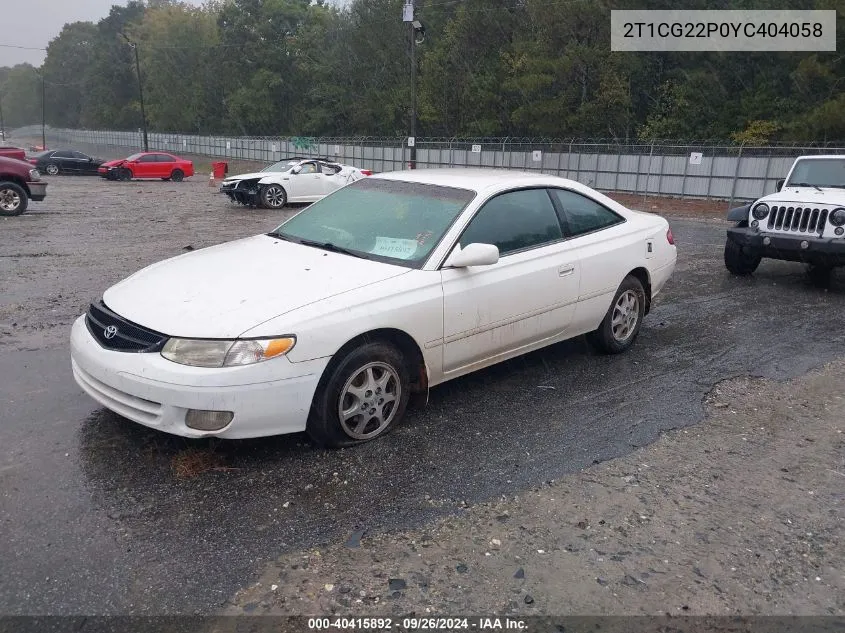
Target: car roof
(473,178)
(820,156)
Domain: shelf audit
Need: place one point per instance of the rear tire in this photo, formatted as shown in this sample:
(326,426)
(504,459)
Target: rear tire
(13,199)
(624,318)
(361,397)
(177,176)
(738,261)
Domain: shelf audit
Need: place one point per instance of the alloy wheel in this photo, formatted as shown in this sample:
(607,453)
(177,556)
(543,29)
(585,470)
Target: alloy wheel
(626,313)
(369,400)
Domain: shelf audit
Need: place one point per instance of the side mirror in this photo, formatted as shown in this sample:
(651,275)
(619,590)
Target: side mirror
(295,170)
(473,255)
(779,184)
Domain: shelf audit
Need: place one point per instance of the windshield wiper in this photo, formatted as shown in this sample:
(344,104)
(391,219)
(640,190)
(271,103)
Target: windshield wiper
(328,246)
(806,184)
(281,236)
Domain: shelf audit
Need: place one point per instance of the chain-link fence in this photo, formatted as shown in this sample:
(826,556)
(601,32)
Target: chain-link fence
(702,170)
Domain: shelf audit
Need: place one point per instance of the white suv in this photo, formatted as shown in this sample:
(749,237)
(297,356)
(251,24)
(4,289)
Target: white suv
(804,221)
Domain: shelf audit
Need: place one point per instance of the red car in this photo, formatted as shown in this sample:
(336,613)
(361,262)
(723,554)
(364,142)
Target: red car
(147,165)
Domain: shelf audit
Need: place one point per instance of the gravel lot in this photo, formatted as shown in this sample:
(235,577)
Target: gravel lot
(651,509)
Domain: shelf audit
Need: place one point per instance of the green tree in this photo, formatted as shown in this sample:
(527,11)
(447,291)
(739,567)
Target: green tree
(179,52)
(67,73)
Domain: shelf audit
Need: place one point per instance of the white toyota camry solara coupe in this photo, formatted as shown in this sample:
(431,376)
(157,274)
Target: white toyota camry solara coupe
(389,286)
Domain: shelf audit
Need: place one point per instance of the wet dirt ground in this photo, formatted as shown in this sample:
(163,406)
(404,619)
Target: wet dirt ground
(101,516)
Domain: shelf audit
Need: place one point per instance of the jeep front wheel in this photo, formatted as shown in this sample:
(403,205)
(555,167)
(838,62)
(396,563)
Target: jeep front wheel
(739,261)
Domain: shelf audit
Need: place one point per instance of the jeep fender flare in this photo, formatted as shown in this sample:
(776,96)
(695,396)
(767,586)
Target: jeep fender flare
(739,214)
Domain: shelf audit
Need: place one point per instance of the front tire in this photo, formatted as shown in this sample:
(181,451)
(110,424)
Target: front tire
(621,324)
(361,397)
(124,174)
(819,275)
(273,196)
(738,261)
(13,199)
(52,169)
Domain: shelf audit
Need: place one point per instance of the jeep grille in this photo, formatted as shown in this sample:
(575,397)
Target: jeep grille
(798,219)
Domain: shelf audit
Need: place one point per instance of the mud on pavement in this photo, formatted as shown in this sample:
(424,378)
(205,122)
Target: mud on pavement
(742,514)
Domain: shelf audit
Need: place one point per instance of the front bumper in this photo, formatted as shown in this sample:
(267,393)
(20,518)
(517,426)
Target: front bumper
(269,398)
(248,195)
(37,190)
(824,251)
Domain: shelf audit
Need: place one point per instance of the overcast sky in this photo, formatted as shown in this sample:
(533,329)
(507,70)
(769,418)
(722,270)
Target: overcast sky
(33,23)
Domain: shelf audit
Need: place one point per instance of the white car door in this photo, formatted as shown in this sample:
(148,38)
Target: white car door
(306,183)
(606,249)
(528,296)
(332,178)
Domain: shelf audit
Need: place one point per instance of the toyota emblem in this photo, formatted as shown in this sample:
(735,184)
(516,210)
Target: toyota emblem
(110,332)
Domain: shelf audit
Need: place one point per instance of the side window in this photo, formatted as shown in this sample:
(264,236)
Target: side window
(514,221)
(148,158)
(80,156)
(582,214)
(165,158)
(62,154)
(308,168)
(329,170)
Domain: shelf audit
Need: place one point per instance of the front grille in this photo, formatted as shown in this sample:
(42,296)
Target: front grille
(798,219)
(125,335)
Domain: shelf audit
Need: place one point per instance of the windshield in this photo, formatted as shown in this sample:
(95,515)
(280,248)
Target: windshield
(282,165)
(818,172)
(134,157)
(387,220)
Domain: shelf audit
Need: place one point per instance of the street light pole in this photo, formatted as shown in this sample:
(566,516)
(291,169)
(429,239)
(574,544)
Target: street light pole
(134,46)
(2,126)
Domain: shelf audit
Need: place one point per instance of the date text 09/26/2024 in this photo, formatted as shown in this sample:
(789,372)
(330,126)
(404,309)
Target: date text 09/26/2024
(417,624)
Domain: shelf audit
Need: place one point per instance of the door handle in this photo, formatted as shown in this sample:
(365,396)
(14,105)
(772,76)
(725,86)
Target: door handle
(566,269)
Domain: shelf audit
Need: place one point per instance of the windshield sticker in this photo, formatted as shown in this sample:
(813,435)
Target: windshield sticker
(422,237)
(394,247)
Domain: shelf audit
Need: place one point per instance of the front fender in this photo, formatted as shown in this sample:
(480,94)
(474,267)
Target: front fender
(274,180)
(738,214)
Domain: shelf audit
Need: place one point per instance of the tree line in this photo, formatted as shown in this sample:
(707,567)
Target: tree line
(485,68)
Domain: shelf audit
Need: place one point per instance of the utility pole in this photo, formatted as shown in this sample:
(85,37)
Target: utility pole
(2,126)
(43,115)
(134,47)
(408,16)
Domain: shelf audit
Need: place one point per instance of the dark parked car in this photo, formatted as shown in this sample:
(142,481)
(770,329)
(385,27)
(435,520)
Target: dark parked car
(20,182)
(65,161)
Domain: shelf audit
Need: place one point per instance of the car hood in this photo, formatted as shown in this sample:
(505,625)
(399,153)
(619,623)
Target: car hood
(257,175)
(225,290)
(806,196)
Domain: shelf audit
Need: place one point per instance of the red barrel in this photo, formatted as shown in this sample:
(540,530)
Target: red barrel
(221,168)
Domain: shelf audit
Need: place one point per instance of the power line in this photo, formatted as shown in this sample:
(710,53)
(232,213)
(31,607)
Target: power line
(25,48)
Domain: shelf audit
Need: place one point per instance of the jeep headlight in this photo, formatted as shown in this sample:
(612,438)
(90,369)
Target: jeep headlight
(225,353)
(837,217)
(34,175)
(760,211)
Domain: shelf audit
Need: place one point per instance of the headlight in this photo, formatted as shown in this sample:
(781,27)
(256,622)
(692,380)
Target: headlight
(760,211)
(34,175)
(837,217)
(199,353)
